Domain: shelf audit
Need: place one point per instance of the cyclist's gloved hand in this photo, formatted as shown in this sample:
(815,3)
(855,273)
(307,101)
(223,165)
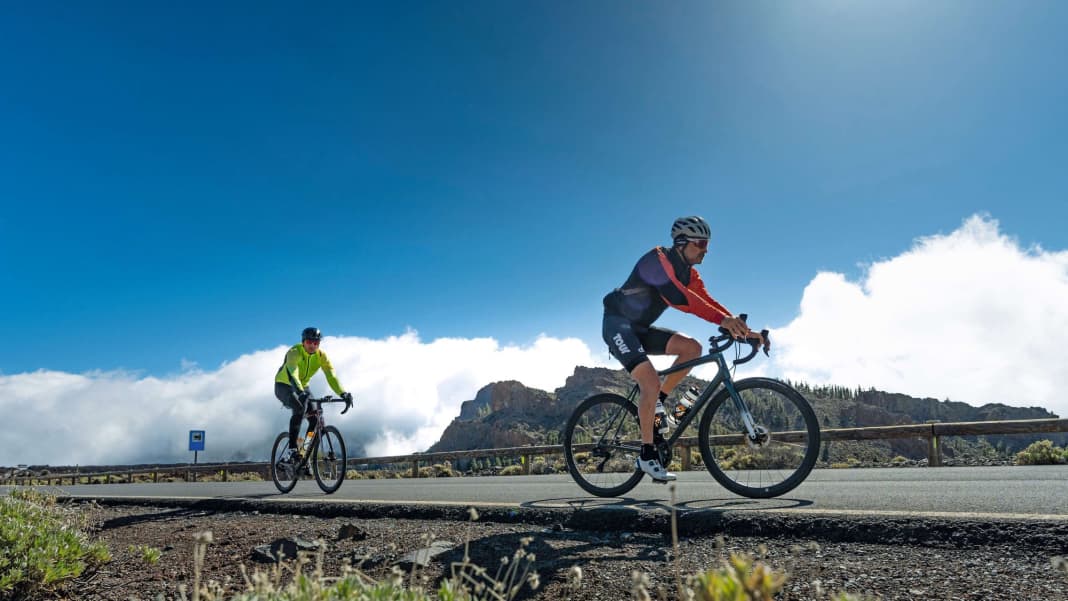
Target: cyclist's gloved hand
(347,397)
(303,395)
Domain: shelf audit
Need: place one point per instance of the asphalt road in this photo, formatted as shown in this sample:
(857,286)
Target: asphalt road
(1037,492)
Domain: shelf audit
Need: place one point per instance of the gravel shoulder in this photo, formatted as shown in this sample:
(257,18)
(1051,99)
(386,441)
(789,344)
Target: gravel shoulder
(998,565)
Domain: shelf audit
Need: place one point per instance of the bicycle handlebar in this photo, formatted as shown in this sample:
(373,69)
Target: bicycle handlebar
(330,399)
(725,340)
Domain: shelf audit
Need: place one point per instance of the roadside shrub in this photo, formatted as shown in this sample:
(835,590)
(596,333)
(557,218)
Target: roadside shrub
(741,577)
(899,460)
(540,467)
(512,470)
(42,545)
(149,555)
(438,470)
(738,458)
(1042,452)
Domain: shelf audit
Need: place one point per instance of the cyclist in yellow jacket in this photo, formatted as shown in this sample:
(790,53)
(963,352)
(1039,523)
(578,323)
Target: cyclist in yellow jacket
(291,382)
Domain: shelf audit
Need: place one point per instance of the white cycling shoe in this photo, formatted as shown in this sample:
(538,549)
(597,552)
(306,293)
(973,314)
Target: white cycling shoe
(655,471)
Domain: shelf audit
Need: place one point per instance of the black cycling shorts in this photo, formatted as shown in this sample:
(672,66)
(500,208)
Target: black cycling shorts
(631,343)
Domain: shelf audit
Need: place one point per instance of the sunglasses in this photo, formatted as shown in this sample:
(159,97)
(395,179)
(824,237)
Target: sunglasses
(701,243)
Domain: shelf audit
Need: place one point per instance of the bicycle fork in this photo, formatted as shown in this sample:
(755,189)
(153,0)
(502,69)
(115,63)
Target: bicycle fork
(754,434)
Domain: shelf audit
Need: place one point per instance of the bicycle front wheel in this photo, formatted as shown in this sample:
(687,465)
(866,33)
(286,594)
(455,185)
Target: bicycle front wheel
(602,442)
(786,447)
(329,460)
(284,473)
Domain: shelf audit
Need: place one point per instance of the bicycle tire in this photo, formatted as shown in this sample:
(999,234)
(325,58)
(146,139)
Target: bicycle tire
(588,421)
(786,417)
(286,480)
(328,460)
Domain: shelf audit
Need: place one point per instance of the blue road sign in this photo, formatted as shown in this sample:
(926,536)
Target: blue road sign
(196,440)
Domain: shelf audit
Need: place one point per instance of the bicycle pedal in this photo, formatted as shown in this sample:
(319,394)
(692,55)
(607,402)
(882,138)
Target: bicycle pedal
(659,481)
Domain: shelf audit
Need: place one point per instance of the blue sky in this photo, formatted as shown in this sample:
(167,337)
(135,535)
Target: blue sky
(191,183)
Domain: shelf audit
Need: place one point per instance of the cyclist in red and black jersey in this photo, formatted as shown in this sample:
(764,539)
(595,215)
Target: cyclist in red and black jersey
(662,277)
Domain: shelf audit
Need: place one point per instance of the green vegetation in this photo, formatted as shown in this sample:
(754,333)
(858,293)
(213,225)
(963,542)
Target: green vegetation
(48,544)
(149,555)
(740,578)
(42,545)
(1042,452)
(512,470)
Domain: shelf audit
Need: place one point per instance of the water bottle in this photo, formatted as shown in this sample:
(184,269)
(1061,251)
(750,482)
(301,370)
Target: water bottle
(682,406)
(661,420)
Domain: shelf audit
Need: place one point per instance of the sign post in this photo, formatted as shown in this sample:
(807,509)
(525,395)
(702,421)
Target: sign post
(196,443)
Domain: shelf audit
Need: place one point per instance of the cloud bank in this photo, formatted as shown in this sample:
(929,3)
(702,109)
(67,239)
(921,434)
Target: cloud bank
(407,391)
(970,315)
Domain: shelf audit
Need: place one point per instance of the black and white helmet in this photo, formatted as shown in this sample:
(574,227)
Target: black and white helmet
(690,227)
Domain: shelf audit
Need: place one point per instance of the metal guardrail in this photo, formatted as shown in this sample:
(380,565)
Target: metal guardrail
(931,431)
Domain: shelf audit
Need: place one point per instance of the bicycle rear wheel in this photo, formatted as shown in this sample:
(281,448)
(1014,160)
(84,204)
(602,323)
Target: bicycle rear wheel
(788,441)
(328,460)
(602,442)
(285,474)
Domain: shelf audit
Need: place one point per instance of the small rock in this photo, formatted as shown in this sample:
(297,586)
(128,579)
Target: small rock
(286,548)
(423,557)
(351,531)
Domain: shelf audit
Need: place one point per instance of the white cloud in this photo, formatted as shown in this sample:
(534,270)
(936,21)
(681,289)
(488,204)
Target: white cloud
(407,392)
(969,315)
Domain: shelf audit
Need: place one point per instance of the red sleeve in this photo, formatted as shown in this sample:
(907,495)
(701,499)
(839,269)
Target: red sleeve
(695,298)
(698,286)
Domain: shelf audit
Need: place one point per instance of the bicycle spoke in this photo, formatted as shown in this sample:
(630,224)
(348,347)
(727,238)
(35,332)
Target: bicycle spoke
(329,461)
(786,444)
(601,444)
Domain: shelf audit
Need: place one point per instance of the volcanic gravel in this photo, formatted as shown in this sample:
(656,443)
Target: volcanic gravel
(1006,564)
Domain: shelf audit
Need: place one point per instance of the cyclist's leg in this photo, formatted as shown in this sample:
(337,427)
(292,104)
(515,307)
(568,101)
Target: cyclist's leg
(623,342)
(673,343)
(288,396)
(312,422)
(648,390)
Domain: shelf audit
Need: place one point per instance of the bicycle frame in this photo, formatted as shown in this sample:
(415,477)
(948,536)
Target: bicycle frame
(723,376)
(314,409)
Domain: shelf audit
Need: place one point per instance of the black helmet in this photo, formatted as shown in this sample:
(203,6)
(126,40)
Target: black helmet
(311,334)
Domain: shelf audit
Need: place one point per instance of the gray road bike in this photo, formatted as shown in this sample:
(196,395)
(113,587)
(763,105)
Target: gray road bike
(758,437)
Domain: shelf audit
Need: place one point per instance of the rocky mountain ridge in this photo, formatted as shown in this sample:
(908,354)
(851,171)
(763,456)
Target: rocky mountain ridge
(508,414)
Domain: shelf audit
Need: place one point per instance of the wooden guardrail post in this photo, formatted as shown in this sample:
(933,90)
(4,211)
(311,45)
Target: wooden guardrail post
(415,468)
(685,449)
(527,460)
(934,449)
(226,475)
